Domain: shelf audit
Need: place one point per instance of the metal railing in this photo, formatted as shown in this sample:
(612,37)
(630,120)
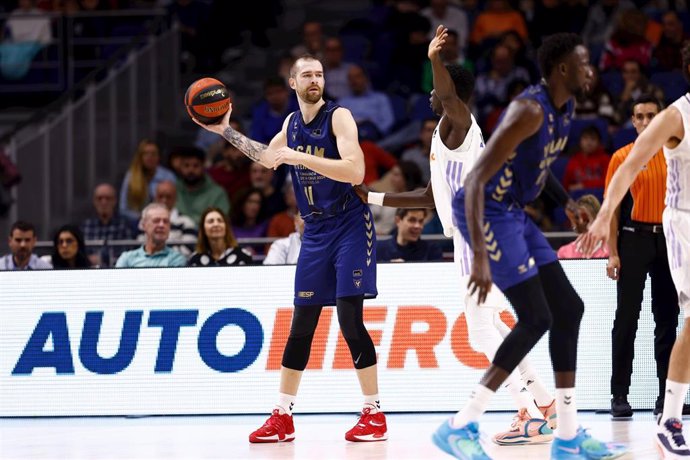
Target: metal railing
(44,247)
(81,42)
(89,134)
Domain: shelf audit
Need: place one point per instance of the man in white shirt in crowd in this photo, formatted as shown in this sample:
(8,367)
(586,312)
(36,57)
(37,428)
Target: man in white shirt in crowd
(22,240)
(285,251)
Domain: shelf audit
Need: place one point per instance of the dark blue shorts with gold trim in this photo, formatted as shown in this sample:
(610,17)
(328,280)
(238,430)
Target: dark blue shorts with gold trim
(515,245)
(337,258)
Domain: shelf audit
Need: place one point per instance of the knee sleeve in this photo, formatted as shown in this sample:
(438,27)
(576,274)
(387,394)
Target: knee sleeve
(567,309)
(298,346)
(350,318)
(534,319)
(481,328)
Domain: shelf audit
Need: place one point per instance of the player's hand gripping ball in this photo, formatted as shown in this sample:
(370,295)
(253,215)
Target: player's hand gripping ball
(207,100)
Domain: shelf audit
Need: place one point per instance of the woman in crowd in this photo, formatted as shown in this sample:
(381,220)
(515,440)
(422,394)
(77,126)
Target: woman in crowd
(139,185)
(216,245)
(69,250)
(248,218)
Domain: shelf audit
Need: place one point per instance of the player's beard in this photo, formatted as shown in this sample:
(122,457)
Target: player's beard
(311,98)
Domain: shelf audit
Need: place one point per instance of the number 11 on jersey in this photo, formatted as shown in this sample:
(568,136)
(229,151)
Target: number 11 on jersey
(309,192)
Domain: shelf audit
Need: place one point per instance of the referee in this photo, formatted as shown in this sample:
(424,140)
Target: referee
(637,248)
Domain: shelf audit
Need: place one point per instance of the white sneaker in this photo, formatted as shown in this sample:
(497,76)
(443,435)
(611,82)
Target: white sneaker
(669,439)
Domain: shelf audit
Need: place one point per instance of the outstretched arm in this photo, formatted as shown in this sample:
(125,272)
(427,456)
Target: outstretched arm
(255,151)
(419,198)
(522,119)
(663,129)
(455,110)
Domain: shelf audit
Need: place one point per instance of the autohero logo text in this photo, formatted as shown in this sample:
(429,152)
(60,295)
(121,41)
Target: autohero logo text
(53,326)
(418,336)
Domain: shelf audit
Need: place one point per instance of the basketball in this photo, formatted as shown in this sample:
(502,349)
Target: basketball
(207,100)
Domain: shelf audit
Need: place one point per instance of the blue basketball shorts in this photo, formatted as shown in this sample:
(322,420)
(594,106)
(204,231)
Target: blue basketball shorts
(337,258)
(515,245)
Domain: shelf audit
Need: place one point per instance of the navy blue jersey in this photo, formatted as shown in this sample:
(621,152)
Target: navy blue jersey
(522,177)
(318,197)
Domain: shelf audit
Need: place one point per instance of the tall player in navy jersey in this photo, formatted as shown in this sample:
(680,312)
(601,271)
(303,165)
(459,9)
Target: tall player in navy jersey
(456,145)
(510,250)
(337,261)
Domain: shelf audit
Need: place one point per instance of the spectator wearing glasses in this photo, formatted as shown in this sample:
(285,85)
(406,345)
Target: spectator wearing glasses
(69,250)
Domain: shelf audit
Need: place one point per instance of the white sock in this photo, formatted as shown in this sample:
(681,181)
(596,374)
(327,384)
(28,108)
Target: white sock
(567,413)
(534,384)
(673,400)
(285,403)
(373,403)
(474,407)
(521,397)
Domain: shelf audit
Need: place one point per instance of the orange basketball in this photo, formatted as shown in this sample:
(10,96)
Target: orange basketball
(207,100)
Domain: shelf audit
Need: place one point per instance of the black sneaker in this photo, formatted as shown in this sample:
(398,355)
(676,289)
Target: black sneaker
(620,408)
(658,406)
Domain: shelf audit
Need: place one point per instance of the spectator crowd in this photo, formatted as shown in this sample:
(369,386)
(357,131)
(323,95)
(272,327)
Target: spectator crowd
(190,204)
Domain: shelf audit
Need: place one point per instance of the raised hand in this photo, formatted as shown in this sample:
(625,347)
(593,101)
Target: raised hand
(438,41)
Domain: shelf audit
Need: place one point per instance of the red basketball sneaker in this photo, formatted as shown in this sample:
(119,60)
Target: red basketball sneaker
(370,427)
(278,428)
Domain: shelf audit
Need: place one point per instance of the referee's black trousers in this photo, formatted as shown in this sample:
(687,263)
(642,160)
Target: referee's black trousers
(641,253)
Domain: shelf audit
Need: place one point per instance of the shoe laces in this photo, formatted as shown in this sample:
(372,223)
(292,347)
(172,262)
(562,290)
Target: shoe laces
(584,433)
(521,416)
(593,444)
(364,416)
(276,421)
(676,429)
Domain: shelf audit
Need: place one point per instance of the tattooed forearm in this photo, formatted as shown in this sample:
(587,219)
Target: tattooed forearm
(252,149)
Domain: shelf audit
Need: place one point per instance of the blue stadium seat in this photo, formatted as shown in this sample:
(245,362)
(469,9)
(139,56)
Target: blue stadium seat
(622,137)
(613,82)
(399,105)
(420,107)
(672,83)
(356,48)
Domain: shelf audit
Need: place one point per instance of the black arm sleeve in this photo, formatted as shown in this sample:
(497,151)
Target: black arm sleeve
(554,189)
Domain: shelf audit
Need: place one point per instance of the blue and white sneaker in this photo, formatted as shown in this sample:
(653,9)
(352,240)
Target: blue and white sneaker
(462,443)
(669,439)
(585,447)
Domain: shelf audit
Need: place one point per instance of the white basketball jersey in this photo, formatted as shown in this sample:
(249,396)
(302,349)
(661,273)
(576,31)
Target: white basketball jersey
(678,162)
(449,168)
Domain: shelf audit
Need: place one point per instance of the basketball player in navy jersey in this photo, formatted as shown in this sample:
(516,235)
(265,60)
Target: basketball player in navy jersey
(456,145)
(337,261)
(510,250)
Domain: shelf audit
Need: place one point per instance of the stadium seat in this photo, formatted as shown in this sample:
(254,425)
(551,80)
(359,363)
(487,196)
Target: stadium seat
(672,83)
(420,107)
(622,137)
(399,105)
(356,47)
(613,82)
